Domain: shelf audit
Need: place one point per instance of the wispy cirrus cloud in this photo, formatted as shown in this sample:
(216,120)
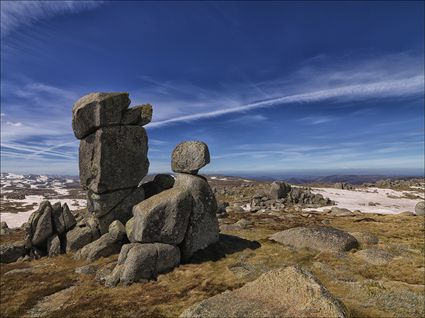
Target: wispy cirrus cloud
(17,14)
(355,92)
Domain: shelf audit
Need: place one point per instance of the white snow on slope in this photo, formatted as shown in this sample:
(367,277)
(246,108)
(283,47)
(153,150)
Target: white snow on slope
(390,201)
(17,219)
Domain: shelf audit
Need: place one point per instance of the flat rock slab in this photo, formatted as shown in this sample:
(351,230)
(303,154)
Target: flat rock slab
(326,239)
(284,292)
(113,158)
(52,303)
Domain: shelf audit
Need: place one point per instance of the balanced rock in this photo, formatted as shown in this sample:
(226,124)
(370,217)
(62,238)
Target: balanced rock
(203,228)
(138,262)
(113,158)
(318,238)
(284,292)
(279,190)
(190,156)
(97,110)
(162,218)
(10,253)
(420,208)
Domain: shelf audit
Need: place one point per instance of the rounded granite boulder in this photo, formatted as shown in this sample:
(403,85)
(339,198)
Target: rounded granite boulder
(189,157)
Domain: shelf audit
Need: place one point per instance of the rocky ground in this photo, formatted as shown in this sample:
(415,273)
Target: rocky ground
(381,274)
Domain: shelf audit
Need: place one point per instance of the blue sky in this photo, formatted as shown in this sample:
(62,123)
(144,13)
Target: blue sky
(272,87)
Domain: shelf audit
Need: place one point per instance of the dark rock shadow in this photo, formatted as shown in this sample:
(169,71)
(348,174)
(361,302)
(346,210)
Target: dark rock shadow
(226,245)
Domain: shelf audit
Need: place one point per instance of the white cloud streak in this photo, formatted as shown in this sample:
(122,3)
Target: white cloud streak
(381,89)
(17,14)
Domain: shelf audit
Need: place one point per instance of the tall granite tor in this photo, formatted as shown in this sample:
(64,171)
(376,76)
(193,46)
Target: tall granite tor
(113,153)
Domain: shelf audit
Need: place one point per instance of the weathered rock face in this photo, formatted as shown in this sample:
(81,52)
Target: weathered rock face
(189,157)
(162,218)
(10,253)
(97,110)
(105,246)
(420,208)
(287,292)
(84,233)
(203,228)
(54,246)
(117,230)
(279,190)
(143,262)
(116,205)
(113,158)
(318,238)
(63,219)
(112,155)
(108,244)
(39,226)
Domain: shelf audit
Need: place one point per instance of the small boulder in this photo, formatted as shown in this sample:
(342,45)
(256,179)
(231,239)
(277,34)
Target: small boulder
(162,218)
(117,230)
(79,237)
(279,190)
(53,246)
(365,238)
(283,292)
(137,115)
(165,181)
(97,110)
(420,208)
(10,253)
(326,239)
(340,212)
(190,156)
(143,262)
(374,256)
(4,229)
(105,246)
